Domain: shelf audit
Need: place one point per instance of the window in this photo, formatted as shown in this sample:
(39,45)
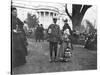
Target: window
(46,13)
(42,13)
(55,14)
(51,14)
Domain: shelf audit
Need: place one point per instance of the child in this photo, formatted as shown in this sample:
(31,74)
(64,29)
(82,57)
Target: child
(65,48)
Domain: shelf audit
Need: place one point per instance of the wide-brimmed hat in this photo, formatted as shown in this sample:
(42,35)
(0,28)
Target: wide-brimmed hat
(65,20)
(13,8)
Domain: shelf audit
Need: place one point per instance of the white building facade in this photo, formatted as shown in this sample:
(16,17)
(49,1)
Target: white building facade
(44,14)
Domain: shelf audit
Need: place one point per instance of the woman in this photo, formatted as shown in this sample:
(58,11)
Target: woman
(65,41)
(19,50)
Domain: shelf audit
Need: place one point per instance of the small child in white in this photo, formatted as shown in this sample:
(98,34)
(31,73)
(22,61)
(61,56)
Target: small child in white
(65,46)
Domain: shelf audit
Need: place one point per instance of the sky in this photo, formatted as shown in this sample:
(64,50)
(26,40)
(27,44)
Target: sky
(91,14)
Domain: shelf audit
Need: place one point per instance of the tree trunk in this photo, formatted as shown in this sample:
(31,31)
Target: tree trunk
(78,12)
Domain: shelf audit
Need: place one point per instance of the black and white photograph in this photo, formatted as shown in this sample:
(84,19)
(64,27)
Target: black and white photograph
(52,37)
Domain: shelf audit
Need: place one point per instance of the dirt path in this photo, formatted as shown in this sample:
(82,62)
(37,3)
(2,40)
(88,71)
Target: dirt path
(38,60)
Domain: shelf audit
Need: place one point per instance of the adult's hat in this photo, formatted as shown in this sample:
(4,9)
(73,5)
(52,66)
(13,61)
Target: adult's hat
(13,8)
(65,20)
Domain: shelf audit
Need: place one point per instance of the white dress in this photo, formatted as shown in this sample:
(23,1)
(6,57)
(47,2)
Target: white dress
(65,37)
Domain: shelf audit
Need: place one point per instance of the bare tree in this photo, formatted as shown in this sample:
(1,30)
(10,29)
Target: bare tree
(78,12)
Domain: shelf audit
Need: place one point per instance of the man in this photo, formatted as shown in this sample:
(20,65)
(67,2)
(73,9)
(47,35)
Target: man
(38,33)
(42,32)
(19,50)
(66,26)
(54,36)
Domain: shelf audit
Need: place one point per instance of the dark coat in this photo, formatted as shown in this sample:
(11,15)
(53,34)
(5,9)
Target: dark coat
(19,50)
(54,36)
(38,33)
(66,26)
(41,32)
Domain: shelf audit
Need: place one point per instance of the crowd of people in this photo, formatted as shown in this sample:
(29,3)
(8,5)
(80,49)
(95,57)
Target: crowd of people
(88,40)
(91,41)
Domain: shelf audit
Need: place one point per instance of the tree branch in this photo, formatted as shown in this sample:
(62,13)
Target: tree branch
(85,7)
(66,10)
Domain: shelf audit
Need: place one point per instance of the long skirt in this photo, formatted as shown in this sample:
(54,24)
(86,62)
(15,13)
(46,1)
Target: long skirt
(61,49)
(18,51)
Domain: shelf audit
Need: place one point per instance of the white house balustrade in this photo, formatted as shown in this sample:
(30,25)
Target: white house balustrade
(46,13)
